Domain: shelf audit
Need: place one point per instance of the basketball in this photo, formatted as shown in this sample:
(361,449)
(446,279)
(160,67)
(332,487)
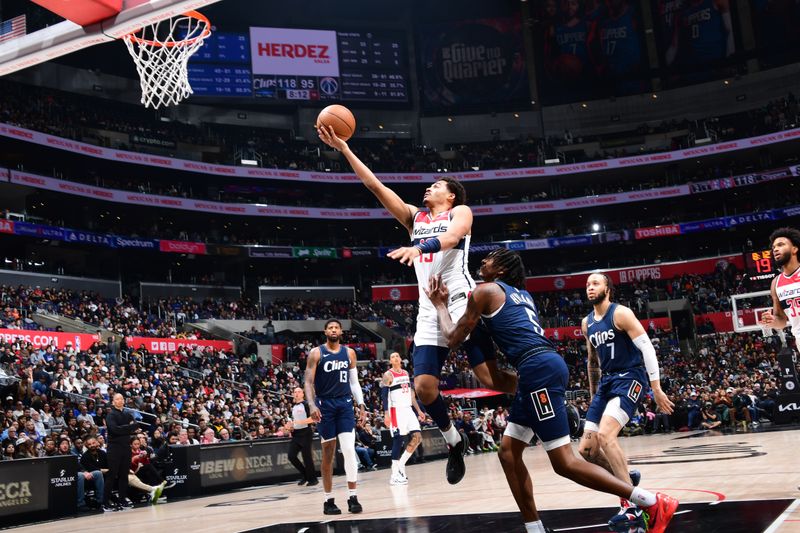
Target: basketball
(341,118)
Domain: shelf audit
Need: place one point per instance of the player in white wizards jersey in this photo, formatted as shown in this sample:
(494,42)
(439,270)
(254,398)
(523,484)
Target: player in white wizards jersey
(402,416)
(440,235)
(785,243)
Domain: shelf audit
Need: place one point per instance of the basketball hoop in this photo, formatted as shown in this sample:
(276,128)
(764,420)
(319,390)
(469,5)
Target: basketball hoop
(161,52)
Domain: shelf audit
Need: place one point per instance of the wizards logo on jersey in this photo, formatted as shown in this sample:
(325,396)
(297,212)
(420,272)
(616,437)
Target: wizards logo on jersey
(543,405)
(635,391)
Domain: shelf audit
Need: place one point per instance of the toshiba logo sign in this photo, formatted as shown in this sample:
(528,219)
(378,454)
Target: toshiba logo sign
(288,52)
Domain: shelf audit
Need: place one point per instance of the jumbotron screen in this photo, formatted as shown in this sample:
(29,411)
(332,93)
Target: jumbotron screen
(304,65)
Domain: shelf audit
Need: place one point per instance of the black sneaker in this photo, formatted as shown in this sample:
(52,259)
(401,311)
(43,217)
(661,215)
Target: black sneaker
(353,506)
(126,504)
(109,508)
(455,461)
(302,482)
(330,508)
(313,482)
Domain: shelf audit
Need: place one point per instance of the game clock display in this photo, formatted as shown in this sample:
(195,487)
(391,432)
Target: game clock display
(759,264)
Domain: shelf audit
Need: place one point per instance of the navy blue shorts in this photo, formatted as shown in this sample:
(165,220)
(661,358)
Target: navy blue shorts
(338,416)
(540,402)
(629,386)
(430,359)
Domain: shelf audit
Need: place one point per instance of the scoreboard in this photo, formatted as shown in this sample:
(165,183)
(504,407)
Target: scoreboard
(304,65)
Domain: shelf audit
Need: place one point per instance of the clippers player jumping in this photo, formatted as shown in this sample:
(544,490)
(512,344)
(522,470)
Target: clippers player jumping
(440,235)
(785,244)
(511,318)
(400,404)
(620,350)
(331,385)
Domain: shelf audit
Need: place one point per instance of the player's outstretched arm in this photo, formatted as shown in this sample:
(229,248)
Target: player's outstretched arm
(311,372)
(777,318)
(592,363)
(480,302)
(402,211)
(625,320)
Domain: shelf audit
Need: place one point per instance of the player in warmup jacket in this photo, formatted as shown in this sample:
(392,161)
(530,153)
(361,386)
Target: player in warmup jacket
(399,405)
(440,236)
(619,348)
(511,318)
(785,243)
(331,385)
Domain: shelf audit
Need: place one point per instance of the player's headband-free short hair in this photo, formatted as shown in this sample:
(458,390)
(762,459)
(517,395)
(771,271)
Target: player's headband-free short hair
(332,321)
(455,187)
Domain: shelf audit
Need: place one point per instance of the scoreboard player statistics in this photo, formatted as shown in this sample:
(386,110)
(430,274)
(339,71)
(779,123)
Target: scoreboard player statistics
(303,65)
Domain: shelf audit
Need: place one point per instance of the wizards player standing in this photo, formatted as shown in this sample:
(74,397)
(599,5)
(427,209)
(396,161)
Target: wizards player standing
(620,349)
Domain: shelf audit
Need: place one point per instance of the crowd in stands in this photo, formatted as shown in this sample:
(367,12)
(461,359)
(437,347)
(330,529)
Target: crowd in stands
(55,398)
(85,118)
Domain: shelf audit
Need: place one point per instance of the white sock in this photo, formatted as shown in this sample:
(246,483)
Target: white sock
(451,435)
(642,498)
(351,492)
(404,459)
(328,495)
(534,527)
(395,465)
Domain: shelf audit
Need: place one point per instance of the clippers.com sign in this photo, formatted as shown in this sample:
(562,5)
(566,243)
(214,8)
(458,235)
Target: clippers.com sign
(290,52)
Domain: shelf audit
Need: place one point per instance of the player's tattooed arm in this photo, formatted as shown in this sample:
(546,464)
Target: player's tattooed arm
(593,362)
(311,372)
(387,379)
(486,298)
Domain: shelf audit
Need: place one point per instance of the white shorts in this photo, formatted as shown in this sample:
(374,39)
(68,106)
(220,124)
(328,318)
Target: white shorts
(428,331)
(403,419)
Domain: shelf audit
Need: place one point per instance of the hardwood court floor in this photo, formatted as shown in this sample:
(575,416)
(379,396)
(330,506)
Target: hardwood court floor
(755,476)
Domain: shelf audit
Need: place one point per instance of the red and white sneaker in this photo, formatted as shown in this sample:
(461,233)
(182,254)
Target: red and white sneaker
(660,514)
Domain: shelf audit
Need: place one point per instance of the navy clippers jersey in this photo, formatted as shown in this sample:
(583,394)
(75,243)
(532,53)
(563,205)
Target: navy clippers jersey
(515,326)
(619,38)
(705,32)
(332,378)
(614,347)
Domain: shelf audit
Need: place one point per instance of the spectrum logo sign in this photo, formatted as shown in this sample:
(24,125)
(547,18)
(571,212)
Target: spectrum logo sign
(284,51)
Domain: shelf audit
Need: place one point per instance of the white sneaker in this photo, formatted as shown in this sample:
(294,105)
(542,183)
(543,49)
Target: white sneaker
(398,479)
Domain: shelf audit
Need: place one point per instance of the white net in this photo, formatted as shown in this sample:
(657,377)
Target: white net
(161,52)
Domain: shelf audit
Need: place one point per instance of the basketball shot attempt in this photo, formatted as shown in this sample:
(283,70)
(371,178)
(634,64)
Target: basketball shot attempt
(512,320)
(399,405)
(785,243)
(331,385)
(619,350)
(440,235)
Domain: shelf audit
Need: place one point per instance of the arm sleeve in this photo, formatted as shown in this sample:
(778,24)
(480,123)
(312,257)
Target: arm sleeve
(355,387)
(649,354)
(385,397)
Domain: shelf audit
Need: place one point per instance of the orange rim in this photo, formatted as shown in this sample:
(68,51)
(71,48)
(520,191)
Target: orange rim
(186,42)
